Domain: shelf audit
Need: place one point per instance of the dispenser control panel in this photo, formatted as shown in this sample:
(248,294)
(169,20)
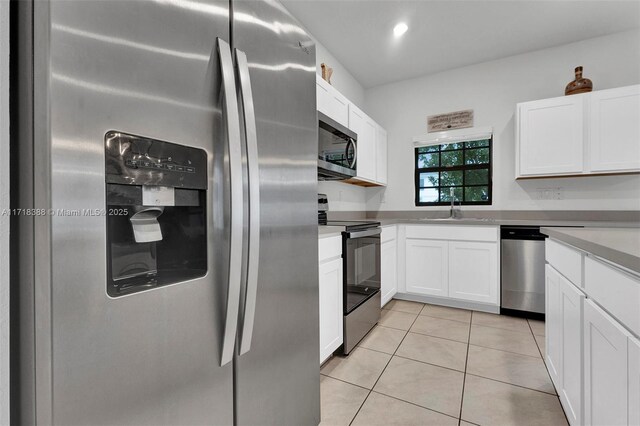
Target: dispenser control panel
(137,160)
(158,164)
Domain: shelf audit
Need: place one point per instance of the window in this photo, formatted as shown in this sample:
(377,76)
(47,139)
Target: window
(464,167)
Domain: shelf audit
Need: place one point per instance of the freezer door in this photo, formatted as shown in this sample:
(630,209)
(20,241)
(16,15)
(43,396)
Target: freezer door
(277,379)
(147,68)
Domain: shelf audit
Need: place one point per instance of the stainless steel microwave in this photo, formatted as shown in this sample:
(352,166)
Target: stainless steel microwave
(337,150)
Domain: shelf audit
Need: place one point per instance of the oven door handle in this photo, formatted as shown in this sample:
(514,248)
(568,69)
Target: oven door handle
(366,233)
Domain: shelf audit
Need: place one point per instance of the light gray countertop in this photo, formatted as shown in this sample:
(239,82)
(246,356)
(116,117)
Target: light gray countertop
(329,231)
(511,222)
(617,245)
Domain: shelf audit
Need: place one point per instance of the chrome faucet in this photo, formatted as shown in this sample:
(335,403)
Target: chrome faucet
(452,211)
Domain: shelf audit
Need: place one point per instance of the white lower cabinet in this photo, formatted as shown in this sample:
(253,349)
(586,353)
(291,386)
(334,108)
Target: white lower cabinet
(592,354)
(606,371)
(330,295)
(427,267)
(553,327)
(564,316)
(461,270)
(473,271)
(634,381)
(388,270)
(330,307)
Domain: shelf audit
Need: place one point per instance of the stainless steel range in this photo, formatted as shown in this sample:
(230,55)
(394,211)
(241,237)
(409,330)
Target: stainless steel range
(361,271)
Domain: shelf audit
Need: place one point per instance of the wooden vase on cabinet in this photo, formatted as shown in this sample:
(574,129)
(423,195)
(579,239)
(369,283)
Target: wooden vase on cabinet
(327,72)
(579,85)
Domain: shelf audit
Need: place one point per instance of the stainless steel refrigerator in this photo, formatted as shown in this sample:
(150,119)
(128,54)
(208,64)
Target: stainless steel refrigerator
(168,272)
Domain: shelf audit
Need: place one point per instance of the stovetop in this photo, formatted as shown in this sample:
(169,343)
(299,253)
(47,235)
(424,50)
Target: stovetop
(354,225)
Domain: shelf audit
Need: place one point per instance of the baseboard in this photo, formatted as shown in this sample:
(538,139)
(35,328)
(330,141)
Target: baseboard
(452,303)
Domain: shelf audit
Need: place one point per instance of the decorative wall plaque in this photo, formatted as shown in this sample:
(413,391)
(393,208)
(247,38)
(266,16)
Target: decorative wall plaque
(450,121)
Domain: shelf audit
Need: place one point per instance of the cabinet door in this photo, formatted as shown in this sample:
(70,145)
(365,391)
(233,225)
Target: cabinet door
(571,308)
(388,271)
(330,307)
(615,130)
(605,368)
(381,155)
(331,103)
(553,325)
(427,269)
(634,381)
(551,137)
(473,271)
(365,128)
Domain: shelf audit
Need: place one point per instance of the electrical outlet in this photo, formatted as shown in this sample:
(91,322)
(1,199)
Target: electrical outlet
(543,193)
(383,198)
(558,193)
(339,195)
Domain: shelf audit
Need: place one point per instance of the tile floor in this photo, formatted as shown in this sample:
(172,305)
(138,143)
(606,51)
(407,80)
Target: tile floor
(432,365)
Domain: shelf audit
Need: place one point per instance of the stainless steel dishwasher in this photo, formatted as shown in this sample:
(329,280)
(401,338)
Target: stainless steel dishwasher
(522,267)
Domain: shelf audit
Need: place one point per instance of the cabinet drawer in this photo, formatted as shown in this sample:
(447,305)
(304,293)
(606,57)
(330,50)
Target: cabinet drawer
(565,260)
(329,248)
(615,291)
(459,232)
(388,233)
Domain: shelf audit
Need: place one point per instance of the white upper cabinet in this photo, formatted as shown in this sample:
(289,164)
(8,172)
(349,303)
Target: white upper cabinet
(331,103)
(550,136)
(586,134)
(365,128)
(615,130)
(381,155)
(371,163)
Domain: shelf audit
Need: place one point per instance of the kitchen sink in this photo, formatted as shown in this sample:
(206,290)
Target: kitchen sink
(466,219)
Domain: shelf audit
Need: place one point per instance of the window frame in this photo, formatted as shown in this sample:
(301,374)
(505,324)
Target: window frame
(463,168)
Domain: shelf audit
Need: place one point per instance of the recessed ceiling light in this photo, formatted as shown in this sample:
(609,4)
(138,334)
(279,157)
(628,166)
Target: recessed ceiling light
(400,29)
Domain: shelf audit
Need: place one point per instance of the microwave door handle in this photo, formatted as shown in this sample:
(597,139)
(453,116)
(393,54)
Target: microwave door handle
(352,165)
(232,118)
(246,96)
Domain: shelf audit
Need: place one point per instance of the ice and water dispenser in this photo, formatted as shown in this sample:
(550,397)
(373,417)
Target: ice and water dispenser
(156,215)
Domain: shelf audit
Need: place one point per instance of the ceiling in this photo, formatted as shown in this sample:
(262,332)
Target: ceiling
(449,34)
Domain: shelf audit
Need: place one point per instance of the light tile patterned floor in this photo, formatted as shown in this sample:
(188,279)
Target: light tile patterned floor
(432,365)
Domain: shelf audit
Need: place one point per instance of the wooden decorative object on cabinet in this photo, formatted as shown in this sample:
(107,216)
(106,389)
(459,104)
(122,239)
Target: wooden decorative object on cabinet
(579,85)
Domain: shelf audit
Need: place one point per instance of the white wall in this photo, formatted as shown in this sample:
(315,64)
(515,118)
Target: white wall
(341,78)
(4,220)
(492,90)
(342,196)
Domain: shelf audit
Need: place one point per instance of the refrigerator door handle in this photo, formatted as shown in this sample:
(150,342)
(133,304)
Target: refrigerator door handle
(230,108)
(251,137)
